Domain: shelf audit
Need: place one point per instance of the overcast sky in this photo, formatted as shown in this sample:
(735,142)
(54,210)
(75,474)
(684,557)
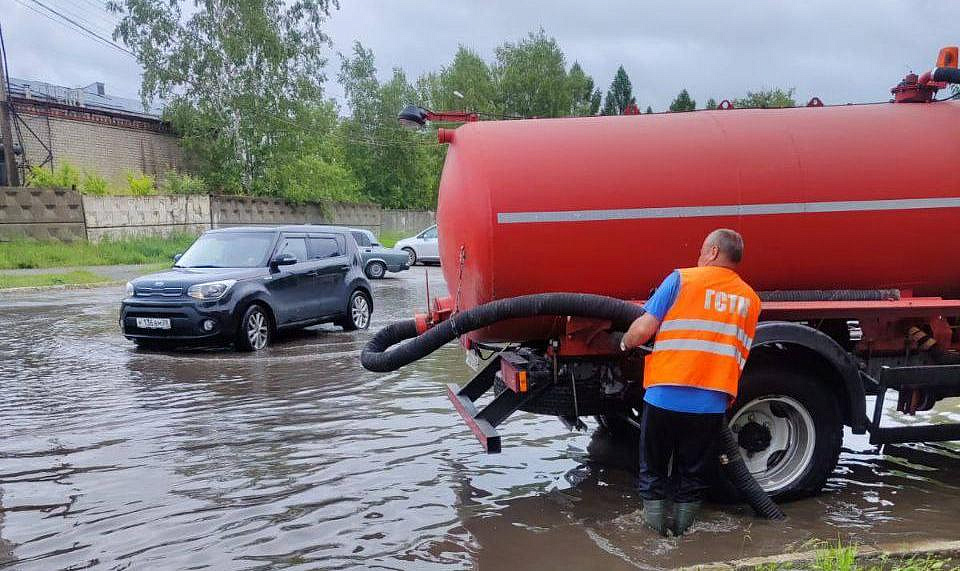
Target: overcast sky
(841,51)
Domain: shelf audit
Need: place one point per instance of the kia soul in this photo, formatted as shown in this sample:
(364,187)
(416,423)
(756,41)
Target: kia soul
(242,285)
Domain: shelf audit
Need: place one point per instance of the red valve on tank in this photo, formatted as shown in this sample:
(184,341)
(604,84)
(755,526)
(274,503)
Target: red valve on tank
(445,136)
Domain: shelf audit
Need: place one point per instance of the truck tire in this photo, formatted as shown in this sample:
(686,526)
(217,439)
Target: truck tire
(789,427)
(557,400)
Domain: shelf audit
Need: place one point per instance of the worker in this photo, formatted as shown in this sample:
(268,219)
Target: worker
(704,319)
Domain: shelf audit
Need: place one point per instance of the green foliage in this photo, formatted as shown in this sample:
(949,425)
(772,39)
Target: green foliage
(140,184)
(36,280)
(312,179)
(64,176)
(767,99)
(620,94)
(532,81)
(236,73)
(394,166)
(711,103)
(683,102)
(173,182)
(467,83)
(36,254)
(92,183)
(586,99)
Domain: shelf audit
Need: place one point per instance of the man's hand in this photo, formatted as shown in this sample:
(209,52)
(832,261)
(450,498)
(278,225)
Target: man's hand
(641,331)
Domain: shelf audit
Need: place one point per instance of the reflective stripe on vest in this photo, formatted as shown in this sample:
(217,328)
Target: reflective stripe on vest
(705,337)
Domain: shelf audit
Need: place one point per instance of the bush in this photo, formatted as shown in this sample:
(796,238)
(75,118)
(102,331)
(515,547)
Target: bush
(94,184)
(173,182)
(141,184)
(64,176)
(311,179)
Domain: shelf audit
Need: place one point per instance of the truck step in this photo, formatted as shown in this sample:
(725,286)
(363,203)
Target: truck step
(483,422)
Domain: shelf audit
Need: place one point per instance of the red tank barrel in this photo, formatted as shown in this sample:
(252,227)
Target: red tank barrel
(843,197)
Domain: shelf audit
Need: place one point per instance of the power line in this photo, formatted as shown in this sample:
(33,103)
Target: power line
(70,22)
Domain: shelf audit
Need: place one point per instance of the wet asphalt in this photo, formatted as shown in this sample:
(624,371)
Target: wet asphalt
(117,458)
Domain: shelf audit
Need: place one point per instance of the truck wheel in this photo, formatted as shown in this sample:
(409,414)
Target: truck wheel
(789,428)
(375,270)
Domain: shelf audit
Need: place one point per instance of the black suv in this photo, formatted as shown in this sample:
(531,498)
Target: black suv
(243,284)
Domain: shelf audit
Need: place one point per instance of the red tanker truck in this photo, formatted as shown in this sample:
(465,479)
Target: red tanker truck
(851,219)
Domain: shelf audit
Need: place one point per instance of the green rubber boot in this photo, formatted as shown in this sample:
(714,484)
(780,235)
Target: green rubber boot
(684,514)
(654,515)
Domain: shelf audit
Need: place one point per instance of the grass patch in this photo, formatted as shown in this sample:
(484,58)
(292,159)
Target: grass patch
(33,280)
(388,239)
(845,558)
(147,250)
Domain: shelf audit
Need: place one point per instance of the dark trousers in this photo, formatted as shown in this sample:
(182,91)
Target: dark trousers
(691,440)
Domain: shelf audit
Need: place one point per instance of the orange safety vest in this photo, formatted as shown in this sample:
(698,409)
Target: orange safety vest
(705,337)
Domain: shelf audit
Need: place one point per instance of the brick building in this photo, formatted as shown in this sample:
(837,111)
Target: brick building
(91,130)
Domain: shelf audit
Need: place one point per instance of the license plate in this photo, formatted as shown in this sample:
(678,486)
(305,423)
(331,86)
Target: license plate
(153,323)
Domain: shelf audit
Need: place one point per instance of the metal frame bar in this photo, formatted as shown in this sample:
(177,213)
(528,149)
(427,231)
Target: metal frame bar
(917,376)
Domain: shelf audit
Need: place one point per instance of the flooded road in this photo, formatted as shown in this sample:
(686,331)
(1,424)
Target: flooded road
(116,458)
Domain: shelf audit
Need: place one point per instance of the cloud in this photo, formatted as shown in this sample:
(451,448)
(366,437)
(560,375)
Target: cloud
(851,51)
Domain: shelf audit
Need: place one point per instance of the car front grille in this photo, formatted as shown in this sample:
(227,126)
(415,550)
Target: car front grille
(159,291)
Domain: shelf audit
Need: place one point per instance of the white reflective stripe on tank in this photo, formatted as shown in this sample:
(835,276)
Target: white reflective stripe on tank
(727,210)
(702,346)
(708,326)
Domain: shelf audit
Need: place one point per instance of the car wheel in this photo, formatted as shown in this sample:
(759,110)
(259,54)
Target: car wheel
(253,333)
(411,256)
(358,313)
(375,270)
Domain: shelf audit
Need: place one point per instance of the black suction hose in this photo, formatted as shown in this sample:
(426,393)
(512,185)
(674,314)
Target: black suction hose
(731,462)
(378,356)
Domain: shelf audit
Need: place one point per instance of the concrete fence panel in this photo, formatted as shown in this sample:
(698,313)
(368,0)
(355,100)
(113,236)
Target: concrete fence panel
(406,222)
(41,213)
(366,216)
(127,216)
(257,211)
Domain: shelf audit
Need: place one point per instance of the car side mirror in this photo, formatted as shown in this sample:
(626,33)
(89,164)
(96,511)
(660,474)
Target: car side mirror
(176,257)
(283,260)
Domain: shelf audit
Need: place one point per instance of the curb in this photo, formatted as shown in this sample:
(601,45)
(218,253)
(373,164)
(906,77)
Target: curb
(863,552)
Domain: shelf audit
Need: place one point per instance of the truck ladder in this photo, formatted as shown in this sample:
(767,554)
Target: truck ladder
(483,422)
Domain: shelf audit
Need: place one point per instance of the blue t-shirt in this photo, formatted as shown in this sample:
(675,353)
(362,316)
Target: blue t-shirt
(679,399)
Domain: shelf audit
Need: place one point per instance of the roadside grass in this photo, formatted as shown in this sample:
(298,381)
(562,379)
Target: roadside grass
(23,253)
(844,558)
(388,239)
(32,280)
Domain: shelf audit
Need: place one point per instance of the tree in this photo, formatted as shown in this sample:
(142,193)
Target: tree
(711,103)
(235,73)
(683,102)
(585,99)
(531,78)
(470,77)
(394,166)
(649,109)
(767,99)
(619,95)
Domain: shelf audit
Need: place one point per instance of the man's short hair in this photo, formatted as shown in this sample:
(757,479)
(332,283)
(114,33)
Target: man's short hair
(729,242)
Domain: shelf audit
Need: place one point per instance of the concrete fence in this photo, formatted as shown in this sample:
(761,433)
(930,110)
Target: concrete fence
(67,215)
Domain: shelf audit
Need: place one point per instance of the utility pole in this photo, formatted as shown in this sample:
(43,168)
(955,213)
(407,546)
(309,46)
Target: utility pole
(6,133)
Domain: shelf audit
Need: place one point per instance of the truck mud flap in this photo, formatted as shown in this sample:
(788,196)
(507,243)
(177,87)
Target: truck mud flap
(484,422)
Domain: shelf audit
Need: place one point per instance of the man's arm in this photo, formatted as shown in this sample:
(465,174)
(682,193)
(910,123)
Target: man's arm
(641,330)
(645,326)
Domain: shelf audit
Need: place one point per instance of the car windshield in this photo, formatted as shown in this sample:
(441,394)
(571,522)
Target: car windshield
(228,250)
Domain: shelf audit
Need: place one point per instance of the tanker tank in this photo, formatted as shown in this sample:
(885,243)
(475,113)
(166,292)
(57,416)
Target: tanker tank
(842,197)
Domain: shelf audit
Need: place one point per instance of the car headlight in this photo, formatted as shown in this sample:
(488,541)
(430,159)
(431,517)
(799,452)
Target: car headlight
(129,291)
(210,290)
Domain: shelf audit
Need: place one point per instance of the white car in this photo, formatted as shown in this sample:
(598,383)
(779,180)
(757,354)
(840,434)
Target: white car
(421,248)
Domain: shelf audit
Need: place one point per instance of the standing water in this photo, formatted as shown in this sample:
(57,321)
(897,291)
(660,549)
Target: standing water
(298,458)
